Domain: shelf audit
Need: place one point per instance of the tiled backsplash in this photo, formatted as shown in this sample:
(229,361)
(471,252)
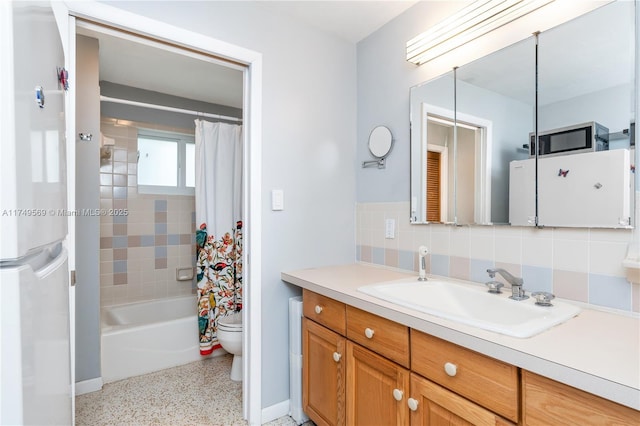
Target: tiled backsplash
(148,236)
(579,264)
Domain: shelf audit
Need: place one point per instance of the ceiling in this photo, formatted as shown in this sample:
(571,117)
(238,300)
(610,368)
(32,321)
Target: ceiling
(149,67)
(349,20)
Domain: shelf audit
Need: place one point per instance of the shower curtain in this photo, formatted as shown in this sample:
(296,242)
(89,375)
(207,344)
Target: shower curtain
(219,226)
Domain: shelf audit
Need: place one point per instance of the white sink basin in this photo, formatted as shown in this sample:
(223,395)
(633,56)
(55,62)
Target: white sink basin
(473,306)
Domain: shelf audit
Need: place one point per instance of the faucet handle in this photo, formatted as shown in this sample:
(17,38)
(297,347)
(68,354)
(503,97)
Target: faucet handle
(543,298)
(494,286)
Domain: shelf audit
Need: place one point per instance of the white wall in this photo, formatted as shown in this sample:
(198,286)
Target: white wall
(308,116)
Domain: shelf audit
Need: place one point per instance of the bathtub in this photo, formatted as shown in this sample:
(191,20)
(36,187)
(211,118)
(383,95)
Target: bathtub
(139,338)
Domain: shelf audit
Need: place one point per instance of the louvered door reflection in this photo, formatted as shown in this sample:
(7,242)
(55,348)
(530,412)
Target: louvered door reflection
(433,186)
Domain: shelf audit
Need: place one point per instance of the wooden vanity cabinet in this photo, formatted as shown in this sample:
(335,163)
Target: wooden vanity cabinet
(433,405)
(547,402)
(377,389)
(323,374)
(361,369)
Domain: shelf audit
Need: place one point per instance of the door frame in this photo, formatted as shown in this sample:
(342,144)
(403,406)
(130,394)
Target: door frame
(483,146)
(252,166)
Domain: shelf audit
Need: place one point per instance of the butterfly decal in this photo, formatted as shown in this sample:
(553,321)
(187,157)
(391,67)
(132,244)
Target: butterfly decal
(563,173)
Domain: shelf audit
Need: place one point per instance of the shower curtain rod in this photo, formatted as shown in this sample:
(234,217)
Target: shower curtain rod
(171,109)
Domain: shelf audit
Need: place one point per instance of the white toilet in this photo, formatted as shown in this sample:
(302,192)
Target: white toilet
(230,338)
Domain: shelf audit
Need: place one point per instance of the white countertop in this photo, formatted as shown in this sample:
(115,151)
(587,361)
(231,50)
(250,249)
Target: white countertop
(598,351)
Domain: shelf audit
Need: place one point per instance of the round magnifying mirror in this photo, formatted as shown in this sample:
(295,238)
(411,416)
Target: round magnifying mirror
(380,141)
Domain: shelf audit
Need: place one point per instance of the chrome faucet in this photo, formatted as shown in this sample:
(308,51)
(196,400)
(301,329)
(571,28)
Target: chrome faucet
(517,292)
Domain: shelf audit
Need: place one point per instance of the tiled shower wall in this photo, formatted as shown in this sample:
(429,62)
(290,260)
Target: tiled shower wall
(579,264)
(143,238)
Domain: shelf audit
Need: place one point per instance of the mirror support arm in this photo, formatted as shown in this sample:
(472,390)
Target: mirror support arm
(380,163)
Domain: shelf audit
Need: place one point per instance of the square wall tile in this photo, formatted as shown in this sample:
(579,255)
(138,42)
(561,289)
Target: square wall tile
(161,263)
(391,257)
(571,285)
(537,278)
(120,278)
(610,291)
(571,255)
(120,254)
(160,228)
(440,241)
(440,265)
(147,240)
(537,251)
(481,246)
(134,241)
(508,247)
(605,258)
(459,241)
(406,260)
(459,267)
(160,205)
(160,251)
(377,255)
(478,270)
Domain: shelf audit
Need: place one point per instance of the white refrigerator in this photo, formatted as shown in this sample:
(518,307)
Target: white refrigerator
(35,370)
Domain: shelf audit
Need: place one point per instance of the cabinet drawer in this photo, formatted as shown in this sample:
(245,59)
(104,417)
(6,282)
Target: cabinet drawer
(381,335)
(486,381)
(435,405)
(549,402)
(325,311)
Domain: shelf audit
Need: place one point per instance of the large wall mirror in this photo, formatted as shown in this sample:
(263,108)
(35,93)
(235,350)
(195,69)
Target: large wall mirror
(481,119)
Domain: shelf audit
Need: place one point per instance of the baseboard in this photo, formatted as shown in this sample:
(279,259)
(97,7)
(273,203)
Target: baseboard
(275,411)
(88,386)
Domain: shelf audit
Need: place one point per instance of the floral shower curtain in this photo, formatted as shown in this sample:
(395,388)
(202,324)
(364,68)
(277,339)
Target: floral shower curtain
(219,226)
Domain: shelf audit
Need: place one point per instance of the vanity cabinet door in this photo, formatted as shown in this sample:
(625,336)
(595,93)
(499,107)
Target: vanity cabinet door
(433,405)
(547,402)
(377,389)
(323,374)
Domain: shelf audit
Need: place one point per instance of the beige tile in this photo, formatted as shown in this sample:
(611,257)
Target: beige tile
(459,267)
(571,285)
(106,280)
(106,255)
(391,258)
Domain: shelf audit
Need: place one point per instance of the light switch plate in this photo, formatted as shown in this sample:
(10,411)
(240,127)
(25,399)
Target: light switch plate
(277,199)
(390,228)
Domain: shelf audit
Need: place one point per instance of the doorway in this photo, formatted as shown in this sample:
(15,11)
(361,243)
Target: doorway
(205,49)
(456,166)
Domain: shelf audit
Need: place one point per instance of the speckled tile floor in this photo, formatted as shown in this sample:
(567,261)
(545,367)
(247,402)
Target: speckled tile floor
(174,397)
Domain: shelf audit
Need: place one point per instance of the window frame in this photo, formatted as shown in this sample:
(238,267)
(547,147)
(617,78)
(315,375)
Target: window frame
(181,139)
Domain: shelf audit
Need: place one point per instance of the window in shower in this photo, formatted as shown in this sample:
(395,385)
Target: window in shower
(166,163)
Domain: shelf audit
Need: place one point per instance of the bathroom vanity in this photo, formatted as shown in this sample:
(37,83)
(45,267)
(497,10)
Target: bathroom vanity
(370,361)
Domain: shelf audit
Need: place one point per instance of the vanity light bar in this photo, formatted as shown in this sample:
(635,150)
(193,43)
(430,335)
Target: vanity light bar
(475,20)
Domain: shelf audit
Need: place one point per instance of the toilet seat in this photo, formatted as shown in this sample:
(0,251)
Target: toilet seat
(231,323)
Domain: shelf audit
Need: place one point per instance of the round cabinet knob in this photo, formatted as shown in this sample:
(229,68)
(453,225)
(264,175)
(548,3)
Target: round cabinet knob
(398,394)
(451,369)
(413,404)
(318,309)
(368,332)
(337,356)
